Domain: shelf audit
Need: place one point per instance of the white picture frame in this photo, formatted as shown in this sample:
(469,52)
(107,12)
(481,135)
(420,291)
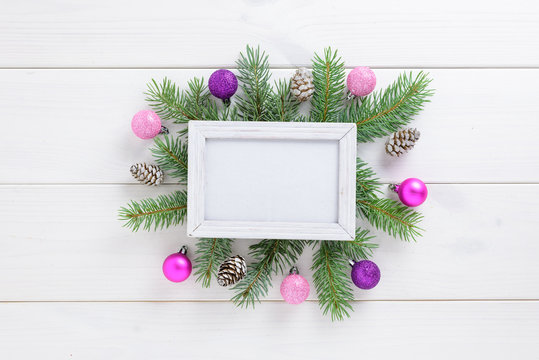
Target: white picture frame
(250,209)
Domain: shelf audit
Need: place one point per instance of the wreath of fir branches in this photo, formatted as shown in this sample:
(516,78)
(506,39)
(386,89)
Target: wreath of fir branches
(377,115)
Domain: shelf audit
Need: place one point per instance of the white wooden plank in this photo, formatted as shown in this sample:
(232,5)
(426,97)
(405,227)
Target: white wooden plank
(378,330)
(65,243)
(63,126)
(165,33)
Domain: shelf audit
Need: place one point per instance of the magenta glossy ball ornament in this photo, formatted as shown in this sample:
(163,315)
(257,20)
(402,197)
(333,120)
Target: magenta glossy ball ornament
(146,124)
(365,274)
(177,267)
(223,84)
(295,288)
(412,192)
(361,81)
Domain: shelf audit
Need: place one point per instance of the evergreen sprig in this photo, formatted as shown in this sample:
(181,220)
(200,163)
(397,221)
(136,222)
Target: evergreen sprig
(392,217)
(254,78)
(386,111)
(210,254)
(332,281)
(269,257)
(171,155)
(161,212)
(332,272)
(385,214)
(283,106)
(328,81)
(172,103)
(359,248)
(367,184)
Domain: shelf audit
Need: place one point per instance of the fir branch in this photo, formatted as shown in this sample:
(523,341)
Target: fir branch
(328,81)
(359,248)
(386,111)
(331,279)
(254,76)
(210,254)
(171,155)
(367,185)
(391,216)
(282,105)
(270,257)
(171,103)
(163,211)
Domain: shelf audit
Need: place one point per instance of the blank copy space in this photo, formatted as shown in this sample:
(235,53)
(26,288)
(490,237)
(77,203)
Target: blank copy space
(271,180)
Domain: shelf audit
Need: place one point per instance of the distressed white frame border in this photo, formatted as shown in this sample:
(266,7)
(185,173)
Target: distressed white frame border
(343,229)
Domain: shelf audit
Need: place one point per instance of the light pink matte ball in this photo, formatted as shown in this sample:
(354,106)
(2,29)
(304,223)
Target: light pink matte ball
(295,289)
(146,124)
(361,81)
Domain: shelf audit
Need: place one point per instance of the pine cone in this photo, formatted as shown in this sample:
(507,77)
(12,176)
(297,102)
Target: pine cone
(401,141)
(301,84)
(231,270)
(147,174)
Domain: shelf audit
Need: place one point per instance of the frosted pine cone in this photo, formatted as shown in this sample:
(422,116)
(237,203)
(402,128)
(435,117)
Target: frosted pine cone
(301,84)
(402,141)
(231,270)
(147,174)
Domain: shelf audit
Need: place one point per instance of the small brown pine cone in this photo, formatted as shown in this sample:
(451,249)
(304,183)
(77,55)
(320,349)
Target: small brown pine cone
(301,84)
(402,141)
(147,174)
(231,270)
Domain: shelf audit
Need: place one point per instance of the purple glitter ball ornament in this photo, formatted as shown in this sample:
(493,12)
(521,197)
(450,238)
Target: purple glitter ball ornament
(223,84)
(365,274)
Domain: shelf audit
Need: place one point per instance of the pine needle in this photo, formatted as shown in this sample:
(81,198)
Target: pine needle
(331,279)
(171,103)
(254,76)
(171,155)
(283,105)
(269,257)
(161,212)
(328,81)
(386,111)
(392,217)
(210,254)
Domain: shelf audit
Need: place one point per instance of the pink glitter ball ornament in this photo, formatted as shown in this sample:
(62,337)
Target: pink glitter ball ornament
(146,124)
(177,267)
(361,81)
(295,288)
(412,192)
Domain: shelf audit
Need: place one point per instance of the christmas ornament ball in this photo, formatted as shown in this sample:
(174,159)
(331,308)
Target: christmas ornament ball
(365,274)
(361,81)
(223,84)
(177,267)
(295,289)
(146,124)
(412,192)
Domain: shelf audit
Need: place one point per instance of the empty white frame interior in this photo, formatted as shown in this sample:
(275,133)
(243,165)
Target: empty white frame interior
(271,180)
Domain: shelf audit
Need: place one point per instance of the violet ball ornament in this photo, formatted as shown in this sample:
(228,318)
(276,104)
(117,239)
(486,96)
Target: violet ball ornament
(223,84)
(295,288)
(361,81)
(412,192)
(365,274)
(146,124)
(177,267)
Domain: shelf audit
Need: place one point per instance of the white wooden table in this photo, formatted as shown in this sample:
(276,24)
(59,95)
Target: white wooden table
(75,284)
